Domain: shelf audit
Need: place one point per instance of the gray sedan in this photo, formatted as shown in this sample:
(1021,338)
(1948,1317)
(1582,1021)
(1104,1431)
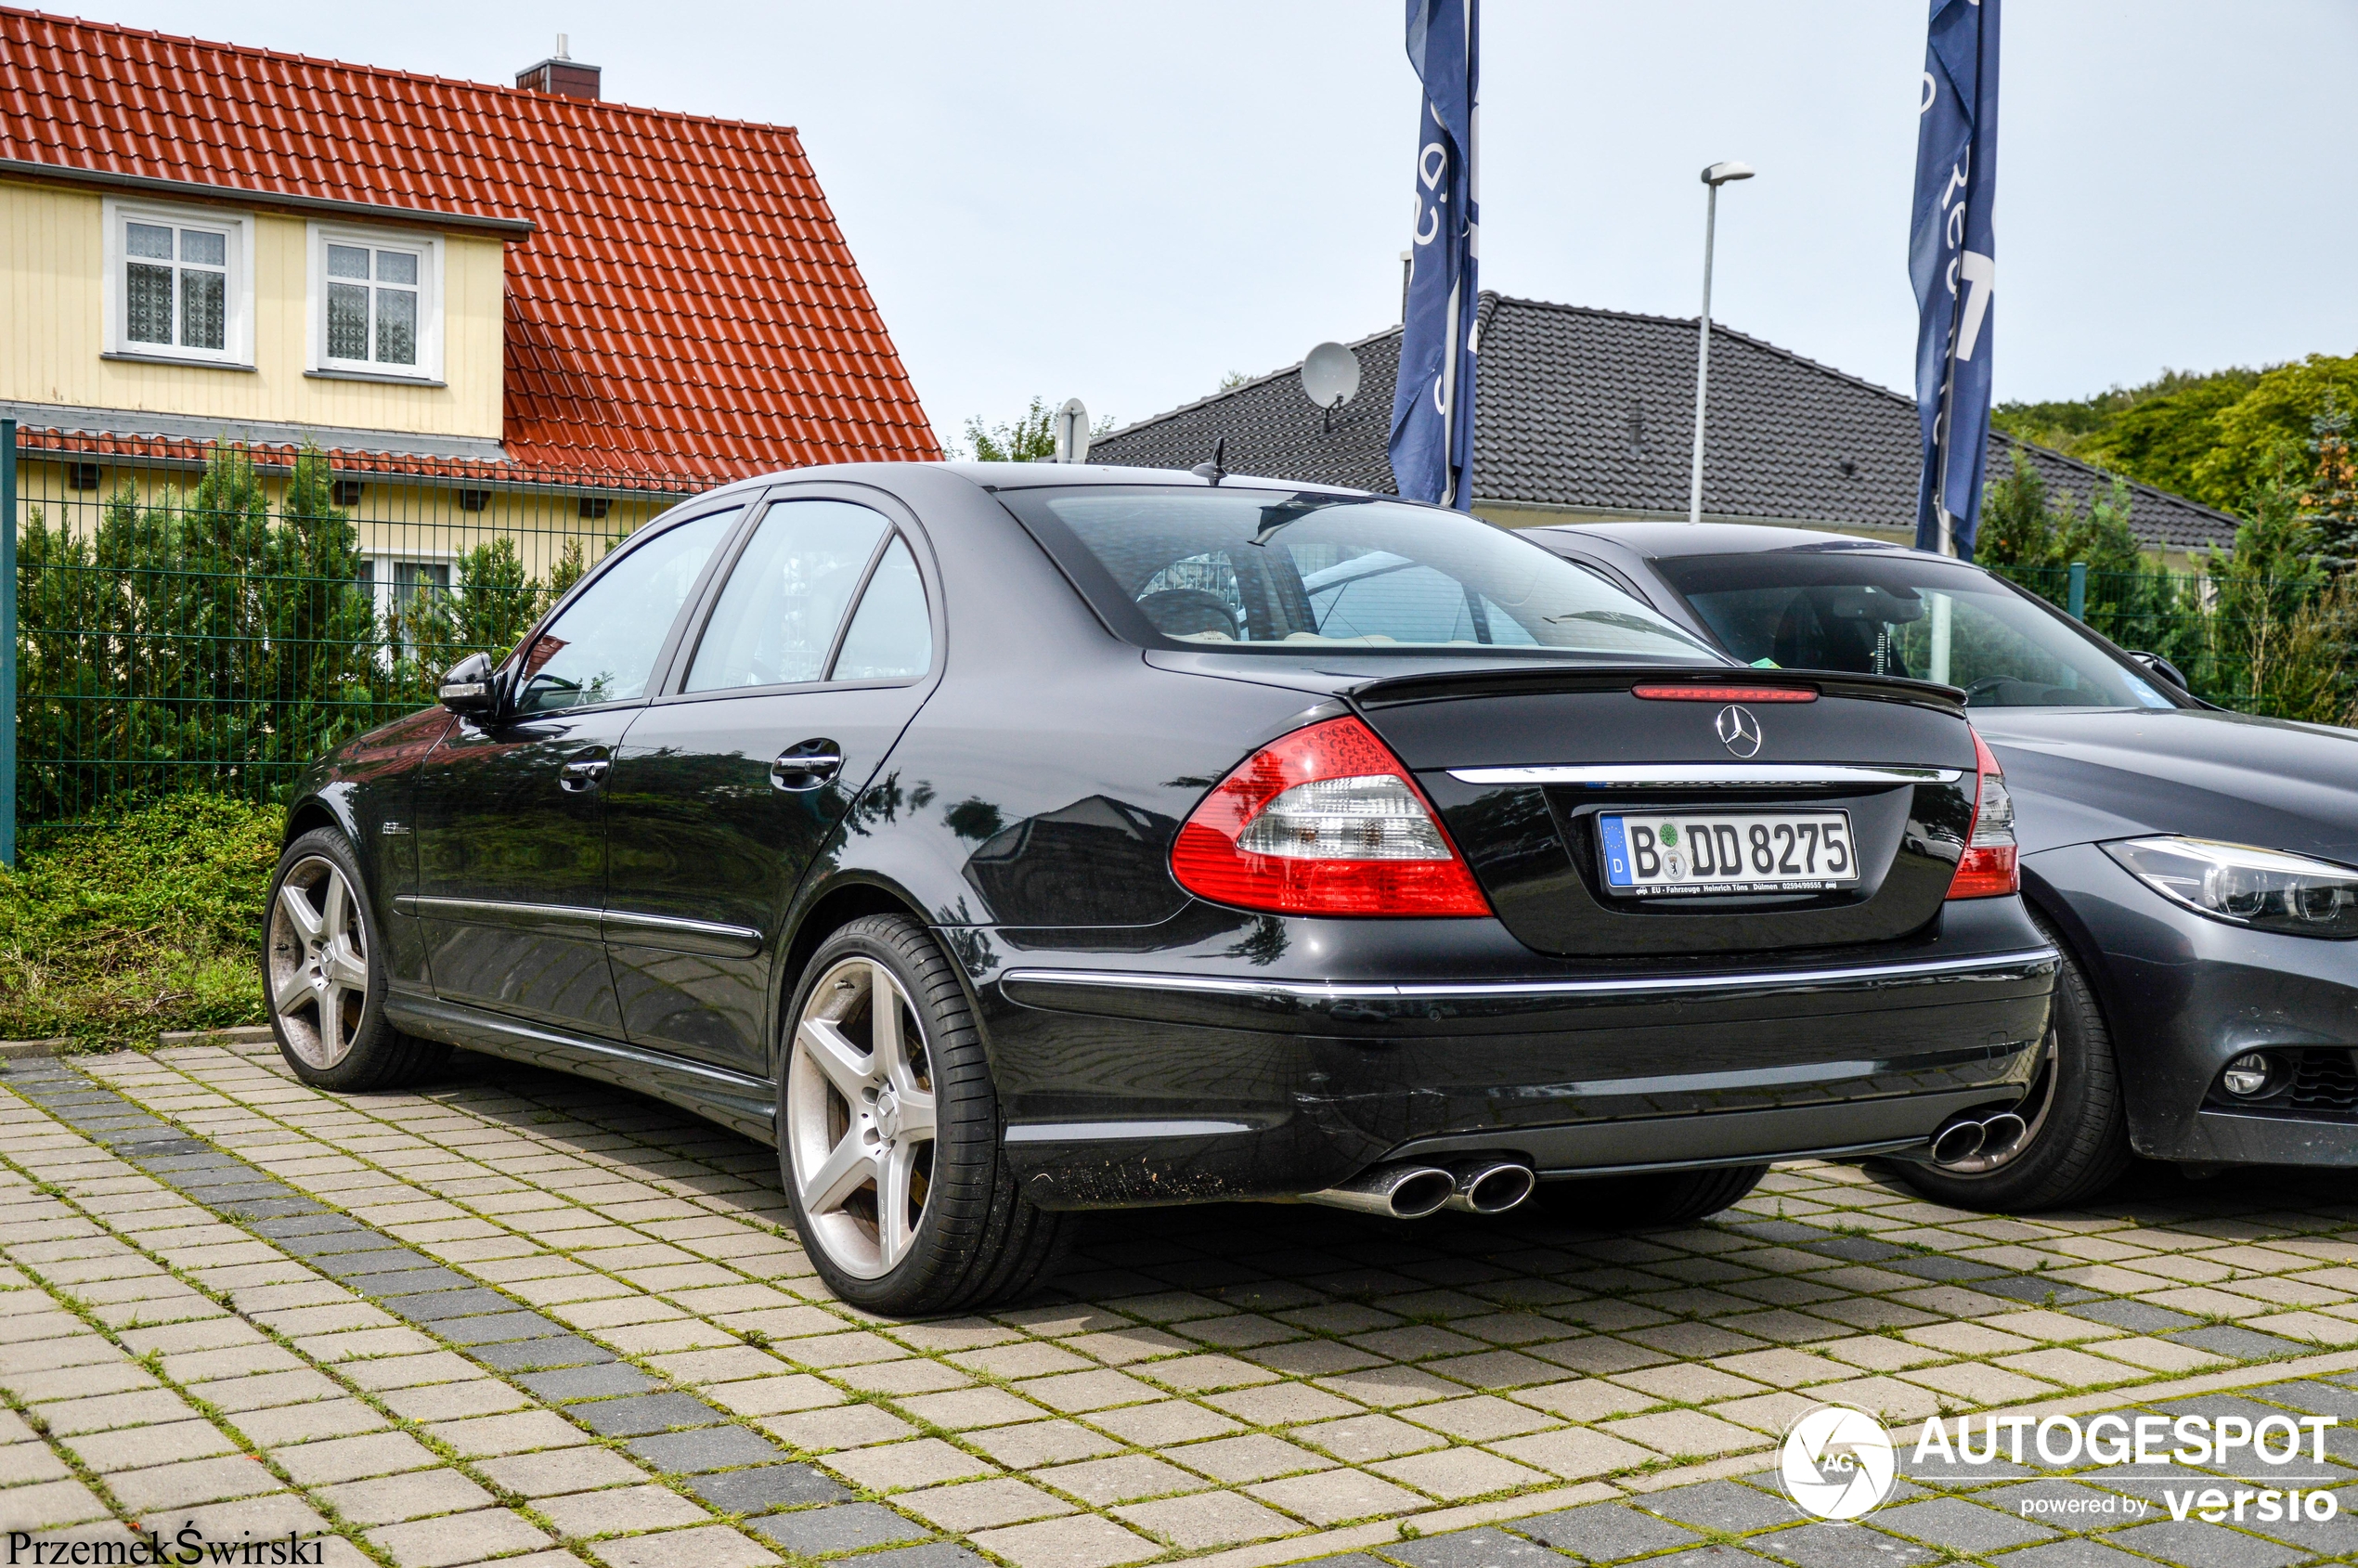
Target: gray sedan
(2198,868)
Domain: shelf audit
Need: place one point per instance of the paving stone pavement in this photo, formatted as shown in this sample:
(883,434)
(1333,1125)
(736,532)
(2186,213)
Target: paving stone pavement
(526,1317)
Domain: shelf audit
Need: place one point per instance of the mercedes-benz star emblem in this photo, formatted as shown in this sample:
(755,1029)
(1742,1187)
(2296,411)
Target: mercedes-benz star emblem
(1739,731)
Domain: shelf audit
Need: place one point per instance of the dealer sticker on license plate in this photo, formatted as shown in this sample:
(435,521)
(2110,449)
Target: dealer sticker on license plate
(1701,853)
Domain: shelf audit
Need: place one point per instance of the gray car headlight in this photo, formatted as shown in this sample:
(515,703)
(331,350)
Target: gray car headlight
(2265,889)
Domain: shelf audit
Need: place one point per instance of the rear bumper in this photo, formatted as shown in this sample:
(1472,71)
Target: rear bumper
(1127,1084)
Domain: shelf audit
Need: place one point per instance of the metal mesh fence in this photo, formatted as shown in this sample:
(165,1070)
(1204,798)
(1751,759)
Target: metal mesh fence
(2283,644)
(207,615)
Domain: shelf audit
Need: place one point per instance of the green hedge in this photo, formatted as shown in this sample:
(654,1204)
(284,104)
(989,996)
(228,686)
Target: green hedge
(138,923)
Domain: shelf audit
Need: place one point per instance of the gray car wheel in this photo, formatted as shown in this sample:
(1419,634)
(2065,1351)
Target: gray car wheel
(889,1135)
(323,974)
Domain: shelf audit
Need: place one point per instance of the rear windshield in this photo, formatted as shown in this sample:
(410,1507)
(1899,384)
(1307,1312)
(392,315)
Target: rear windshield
(1887,614)
(1275,569)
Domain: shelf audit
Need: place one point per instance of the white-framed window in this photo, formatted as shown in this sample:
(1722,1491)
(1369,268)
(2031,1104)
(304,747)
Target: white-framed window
(403,586)
(376,303)
(179,283)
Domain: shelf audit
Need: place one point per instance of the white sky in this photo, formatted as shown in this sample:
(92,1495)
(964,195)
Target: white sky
(1122,201)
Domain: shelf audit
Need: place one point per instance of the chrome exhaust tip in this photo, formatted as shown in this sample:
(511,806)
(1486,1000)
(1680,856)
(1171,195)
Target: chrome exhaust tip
(1397,1192)
(2002,1130)
(1492,1186)
(1958,1142)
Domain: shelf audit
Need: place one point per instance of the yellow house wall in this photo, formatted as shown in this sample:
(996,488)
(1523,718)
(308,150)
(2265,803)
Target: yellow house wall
(52,333)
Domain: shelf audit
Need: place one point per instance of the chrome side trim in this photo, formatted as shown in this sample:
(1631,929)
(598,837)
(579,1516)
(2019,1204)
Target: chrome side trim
(675,935)
(1709,775)
(1103,1131)
(663,932)
(548,920)
(1633,985)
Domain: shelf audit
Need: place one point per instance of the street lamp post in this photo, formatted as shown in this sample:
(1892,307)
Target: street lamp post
(1714,176)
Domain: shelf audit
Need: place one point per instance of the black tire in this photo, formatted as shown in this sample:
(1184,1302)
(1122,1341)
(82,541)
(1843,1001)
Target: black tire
(977,1241)
(1649,1202)
(337,1037)
(2078,1142)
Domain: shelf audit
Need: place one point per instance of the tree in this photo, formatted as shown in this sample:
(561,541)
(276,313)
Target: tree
(1031,438)
(2329,503)
(2158,440)
(2140,432)
(317,622)
(2274,416)
(2023,524)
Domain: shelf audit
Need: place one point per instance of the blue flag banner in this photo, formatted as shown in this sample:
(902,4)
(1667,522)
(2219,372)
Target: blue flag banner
(1432,404)
(1952,261)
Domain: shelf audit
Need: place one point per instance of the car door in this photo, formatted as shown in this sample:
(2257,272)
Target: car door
(816,654)
(511,810)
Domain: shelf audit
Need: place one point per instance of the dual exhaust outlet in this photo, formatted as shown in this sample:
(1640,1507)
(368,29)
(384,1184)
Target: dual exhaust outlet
(1963,1141)
(1408,1190)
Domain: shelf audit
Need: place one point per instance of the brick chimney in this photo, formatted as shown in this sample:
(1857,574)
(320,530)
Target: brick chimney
(562,74)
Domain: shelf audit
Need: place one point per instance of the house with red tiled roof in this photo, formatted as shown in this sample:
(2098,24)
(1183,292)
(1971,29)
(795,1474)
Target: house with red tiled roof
(507,291)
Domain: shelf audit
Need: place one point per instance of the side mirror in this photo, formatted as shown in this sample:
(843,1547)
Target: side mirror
(2162,668)
(467,687)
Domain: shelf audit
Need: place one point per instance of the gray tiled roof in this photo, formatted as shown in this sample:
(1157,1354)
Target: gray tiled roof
(1595,409)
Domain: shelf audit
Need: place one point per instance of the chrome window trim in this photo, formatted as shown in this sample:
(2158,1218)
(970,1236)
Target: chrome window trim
(1709,775)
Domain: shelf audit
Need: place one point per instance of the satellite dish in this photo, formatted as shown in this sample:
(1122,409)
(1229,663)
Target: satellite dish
(1072,432)
(1330,375)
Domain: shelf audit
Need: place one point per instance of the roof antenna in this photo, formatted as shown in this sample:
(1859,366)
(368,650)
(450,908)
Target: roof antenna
(1217,469)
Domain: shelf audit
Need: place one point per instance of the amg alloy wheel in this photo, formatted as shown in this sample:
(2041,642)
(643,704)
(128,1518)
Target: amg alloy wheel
(323,970)
(888,1132)
(319,958)
(860,1117)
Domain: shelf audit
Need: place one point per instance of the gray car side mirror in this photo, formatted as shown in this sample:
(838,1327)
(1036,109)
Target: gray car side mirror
(467,686)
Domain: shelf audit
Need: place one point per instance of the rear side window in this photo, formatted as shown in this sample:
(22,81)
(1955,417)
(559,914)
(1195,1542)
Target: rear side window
(775,624)
(1234,567)
(786,617)
(891,637)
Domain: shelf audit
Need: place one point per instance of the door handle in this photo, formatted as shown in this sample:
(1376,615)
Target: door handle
(806,765)
(576,778)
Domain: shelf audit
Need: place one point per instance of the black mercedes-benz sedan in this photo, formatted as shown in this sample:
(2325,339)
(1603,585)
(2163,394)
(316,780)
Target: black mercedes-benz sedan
(1005,840)
(2197,868)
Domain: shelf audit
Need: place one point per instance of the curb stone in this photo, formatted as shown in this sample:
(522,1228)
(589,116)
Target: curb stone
(236,1034)
(11,1049)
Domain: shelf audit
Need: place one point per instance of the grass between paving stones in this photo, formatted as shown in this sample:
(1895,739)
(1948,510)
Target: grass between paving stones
(142,921)
(852,1321)
(442,1450)
(922,1427)
(153,1364)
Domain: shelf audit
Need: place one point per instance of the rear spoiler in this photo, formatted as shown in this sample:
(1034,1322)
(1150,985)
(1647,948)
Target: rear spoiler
(1495,682)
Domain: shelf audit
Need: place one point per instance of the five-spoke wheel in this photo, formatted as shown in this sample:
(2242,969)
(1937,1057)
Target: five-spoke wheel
(860,1117)
(323,971)
(890,1132)
(319,962)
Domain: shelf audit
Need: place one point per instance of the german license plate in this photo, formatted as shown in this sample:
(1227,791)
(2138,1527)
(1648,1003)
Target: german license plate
(1692,854)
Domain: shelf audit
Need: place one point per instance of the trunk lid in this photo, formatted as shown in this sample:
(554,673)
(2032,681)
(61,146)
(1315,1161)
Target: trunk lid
(1523,766)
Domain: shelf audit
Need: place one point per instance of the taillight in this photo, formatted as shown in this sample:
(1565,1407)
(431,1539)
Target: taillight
(1987,869)
(1323,820)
